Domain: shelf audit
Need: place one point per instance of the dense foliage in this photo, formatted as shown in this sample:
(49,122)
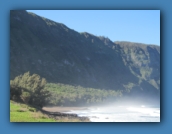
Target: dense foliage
(67,95)
(33,90)
(29,89)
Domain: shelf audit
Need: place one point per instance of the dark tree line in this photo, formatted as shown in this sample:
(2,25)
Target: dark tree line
(33,90)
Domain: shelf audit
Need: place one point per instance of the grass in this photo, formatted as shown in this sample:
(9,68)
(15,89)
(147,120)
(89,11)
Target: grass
(23,113)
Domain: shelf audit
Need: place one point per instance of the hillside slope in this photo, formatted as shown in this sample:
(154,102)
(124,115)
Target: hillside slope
(62,55)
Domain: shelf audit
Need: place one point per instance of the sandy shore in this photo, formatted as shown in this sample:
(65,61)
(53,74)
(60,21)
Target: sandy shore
(62,109)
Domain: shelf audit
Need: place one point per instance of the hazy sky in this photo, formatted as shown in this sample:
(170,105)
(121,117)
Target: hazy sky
(141,26)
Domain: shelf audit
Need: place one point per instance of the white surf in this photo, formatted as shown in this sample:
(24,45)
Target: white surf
(121,113)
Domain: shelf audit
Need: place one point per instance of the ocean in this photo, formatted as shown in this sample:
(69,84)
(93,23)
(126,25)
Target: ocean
(121,113)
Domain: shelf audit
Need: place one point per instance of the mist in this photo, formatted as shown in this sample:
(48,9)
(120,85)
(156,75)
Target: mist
(126,109)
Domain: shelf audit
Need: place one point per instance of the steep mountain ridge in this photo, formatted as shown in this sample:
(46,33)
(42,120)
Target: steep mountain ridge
(62,55)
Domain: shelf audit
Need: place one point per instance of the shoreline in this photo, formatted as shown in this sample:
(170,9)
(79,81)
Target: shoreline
(62,109)
(57,113)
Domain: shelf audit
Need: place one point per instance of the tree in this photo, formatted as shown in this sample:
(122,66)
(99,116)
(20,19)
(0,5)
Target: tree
(29,89)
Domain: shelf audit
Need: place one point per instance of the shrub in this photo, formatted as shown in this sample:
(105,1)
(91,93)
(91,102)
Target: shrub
(29,89)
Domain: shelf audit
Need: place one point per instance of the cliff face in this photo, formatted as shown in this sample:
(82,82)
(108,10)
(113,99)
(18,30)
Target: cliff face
(62,55)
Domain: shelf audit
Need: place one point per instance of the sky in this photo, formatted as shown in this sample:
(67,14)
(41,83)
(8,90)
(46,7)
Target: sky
(141,26)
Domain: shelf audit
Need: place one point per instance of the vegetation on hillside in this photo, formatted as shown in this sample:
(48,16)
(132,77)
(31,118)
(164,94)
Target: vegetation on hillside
(33,90)
(62,55)
(67,95)
(142,60)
